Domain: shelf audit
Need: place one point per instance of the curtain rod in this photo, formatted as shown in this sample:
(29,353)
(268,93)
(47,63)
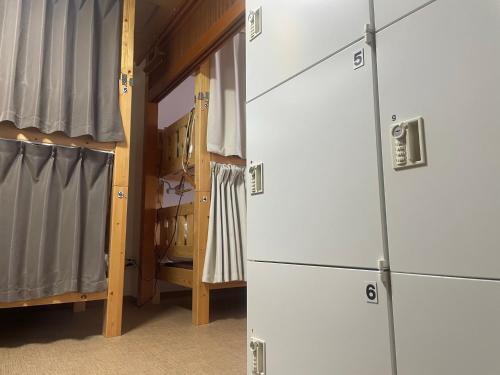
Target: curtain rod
(54,144)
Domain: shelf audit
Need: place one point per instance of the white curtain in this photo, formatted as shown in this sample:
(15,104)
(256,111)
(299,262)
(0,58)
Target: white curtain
(225,258)
(226,112)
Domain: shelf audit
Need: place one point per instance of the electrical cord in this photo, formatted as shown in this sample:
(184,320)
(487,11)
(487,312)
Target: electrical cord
(180,190)
(159,257)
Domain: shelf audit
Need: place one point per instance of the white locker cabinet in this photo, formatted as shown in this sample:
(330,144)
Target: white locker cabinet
(445,325)
(441,63)
(316,137)
(388,11)
(316,320)
(296,34)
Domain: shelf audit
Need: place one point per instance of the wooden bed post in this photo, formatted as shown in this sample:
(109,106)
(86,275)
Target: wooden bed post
(118,223)
(147,260)
(201,291)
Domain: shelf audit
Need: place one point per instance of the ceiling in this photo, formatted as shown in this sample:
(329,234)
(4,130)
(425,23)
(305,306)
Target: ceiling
(152,17)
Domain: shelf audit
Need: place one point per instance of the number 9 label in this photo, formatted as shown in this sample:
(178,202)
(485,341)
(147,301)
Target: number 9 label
(371,292)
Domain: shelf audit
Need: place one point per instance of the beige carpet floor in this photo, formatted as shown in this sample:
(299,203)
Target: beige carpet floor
(158,339)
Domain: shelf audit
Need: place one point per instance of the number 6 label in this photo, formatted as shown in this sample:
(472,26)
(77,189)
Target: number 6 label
(371,292)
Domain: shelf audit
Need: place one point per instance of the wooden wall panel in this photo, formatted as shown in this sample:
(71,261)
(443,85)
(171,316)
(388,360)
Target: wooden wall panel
(201,31)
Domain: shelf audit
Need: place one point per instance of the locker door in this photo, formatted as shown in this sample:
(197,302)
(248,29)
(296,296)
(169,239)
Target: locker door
(316,320)
(445,325)
(387,11)
(296,34)
(316,136)
(441,63)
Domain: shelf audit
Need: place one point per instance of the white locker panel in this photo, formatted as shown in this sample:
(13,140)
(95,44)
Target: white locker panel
(446,326)
(316,137)
(316,320)
(387,11)
(296,34)
(441,63)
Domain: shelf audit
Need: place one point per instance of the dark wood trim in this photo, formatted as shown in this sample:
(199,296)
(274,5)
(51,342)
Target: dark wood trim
(208,42)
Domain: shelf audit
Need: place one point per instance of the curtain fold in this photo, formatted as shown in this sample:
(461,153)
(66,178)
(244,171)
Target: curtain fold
(60,66)
(226,128)
(53,219)
(225,258)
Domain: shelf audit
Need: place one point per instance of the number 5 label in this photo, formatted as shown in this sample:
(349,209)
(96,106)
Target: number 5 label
(358,59)
(371,292)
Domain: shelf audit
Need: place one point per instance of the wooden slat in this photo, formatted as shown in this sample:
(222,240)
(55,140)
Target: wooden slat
(62,298)
(182,246)
(235,160)
(177,275)
(118,220)
(184,210)
(9,131)
(201,292)
(181,251)
(227,285)
(203,31)
(173,148)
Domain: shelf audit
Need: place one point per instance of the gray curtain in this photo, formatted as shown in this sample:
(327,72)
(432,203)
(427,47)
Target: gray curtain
(53,218)
(60,66)
(226,129)
(225,258)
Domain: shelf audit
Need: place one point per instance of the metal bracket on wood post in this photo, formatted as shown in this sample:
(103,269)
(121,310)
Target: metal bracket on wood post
(125,82)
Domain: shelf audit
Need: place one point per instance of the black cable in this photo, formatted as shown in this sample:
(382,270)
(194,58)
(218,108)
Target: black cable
(160,257)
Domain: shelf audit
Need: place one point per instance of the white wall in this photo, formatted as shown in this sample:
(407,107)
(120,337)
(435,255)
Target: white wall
(178,103)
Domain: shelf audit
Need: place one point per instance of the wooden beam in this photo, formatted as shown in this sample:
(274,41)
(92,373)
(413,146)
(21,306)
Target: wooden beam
(210,34)
(114,304)
(151,168)
(9,131)
(177,275)
(235,160)
(201,292)
(55,300)
(181,15)
(227,285)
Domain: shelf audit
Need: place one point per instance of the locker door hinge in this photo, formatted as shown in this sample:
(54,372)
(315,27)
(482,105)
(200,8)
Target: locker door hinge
(369,35)
(384,271)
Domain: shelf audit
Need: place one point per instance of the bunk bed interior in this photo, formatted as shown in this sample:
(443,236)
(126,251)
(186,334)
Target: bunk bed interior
(65,122)
(186,167)
(173,39)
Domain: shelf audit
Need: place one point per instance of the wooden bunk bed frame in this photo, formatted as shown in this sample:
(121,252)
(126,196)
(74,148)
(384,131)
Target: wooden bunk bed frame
(192,219)
(113,297)
(190,242)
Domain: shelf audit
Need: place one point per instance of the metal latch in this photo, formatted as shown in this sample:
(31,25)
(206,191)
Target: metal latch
(256,171)
(255,23)
(258,350)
